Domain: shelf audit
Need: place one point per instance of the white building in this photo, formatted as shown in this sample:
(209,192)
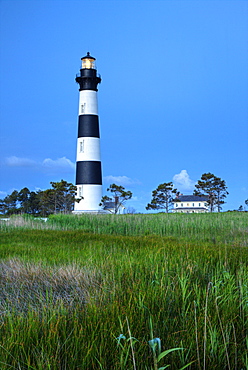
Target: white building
(190,204)
(112,206)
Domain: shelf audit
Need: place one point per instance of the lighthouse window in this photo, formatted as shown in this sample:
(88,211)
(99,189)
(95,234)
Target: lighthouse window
(81,146)
(83,108)
(80,191)
(88,63)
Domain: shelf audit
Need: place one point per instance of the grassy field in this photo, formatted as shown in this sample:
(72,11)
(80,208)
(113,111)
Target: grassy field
(124,292)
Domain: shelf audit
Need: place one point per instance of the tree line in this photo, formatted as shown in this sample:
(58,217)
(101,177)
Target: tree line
(59,199)
(211,187)
(62,196)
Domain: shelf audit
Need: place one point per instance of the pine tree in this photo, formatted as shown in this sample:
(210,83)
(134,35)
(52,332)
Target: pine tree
(215,188)
(119,197)
(162,197)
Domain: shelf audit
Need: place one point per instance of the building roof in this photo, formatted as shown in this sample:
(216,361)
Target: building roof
(191,198)
(88,56)
(111,205)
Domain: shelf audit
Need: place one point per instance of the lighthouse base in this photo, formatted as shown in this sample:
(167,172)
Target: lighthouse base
(99,212)
(90,197)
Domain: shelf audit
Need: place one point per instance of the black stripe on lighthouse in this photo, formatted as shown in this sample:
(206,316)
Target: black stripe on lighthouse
(88,126)
(88,172)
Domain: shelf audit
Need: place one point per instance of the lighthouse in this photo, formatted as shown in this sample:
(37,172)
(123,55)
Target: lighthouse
(88,158)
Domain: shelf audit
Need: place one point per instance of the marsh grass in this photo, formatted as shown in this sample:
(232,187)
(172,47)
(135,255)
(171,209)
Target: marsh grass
(23,221)
(193,288)
(230,227)
(32,287)
(209,227)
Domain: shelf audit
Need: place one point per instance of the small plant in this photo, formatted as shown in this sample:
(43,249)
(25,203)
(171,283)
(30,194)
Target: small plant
(155,345)
(125,345)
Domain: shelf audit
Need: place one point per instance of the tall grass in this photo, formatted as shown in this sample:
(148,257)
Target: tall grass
(216,226)
(230,227)
(188,290)
(31,287)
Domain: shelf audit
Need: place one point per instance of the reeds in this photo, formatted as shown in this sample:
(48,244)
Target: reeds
(32,287)
(208,226)
(70,292)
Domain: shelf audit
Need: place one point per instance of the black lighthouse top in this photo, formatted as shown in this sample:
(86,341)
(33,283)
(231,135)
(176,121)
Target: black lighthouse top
(88,79)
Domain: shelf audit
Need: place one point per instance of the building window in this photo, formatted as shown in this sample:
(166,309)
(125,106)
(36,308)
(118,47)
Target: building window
(187,204)
(193,204)
(181,204)
(81,146)
(199,204)
(79,191)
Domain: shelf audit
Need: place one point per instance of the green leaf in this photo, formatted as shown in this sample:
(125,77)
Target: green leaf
(165,353)
(184,367)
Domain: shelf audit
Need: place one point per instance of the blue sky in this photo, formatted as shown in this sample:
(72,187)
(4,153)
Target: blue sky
(172,102)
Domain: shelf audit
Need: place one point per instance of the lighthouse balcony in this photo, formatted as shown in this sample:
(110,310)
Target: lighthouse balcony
(91,73)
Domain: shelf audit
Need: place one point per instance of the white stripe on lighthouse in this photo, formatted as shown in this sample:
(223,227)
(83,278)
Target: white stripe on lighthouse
(88,102)
(88,149)
(92,195)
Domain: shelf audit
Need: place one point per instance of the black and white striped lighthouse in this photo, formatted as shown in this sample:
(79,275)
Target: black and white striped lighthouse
(88,161)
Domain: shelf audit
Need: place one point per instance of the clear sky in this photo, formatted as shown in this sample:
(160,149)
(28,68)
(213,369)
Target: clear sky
(173,102)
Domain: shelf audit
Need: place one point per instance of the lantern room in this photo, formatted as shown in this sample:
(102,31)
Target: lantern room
(88,62)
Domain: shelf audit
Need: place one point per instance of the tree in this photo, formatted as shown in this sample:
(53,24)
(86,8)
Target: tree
(23,198)
(34,206)
(243,208)
(29,201)
(3,207)
(130,211)
(119,197)
(60,198)
(162,197)
(11,203)
(215,188)
(63,196)
(46,202)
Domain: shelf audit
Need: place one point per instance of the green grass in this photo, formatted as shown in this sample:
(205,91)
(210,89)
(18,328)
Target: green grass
(180,278)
